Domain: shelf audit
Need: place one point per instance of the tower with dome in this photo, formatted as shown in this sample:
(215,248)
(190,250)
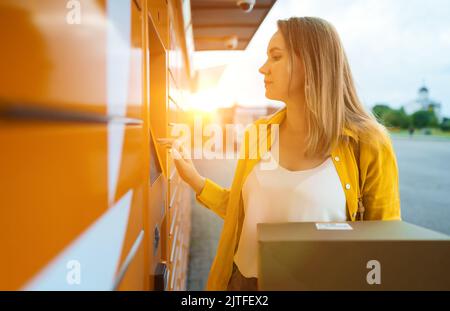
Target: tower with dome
(424,102)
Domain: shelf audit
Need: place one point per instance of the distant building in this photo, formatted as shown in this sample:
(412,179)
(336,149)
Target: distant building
(424,102)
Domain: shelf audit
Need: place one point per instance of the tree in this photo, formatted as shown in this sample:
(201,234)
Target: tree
(396,118)
(380,110)
(445,125)
(424,118)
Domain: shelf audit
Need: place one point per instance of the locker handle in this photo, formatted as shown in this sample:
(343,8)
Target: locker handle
(156,239)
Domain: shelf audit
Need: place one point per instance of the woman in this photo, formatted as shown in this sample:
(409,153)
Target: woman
(335,162)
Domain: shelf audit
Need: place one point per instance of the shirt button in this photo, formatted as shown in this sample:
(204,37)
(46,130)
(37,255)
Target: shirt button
(336,159)
(347,186)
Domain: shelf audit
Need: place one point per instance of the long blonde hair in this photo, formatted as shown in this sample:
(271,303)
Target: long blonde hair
(332,103)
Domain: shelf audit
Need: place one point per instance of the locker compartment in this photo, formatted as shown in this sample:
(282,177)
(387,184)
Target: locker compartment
(131,273)
(158,12)
(157,229)
(176,62)
(39,72)
(134,84)
(155,164)
(158,92)
(131,172)
(174,92)
(185,261)
(53,179)
(174,112)
(179,233)
(157,201)
(175,269)
(177,213)
(174,219)
(135,228)
(65,67)
(133,176)
(181,260)
(173,46)
(174,241)
(160,278)
(174,179)
(68,191)
(173,195)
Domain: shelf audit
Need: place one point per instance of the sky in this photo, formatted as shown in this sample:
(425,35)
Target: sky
(393,46)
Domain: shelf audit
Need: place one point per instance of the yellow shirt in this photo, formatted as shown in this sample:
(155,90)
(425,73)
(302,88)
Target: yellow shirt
(371,184)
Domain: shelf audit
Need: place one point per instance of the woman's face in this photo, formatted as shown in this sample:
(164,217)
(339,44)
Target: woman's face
(276,71)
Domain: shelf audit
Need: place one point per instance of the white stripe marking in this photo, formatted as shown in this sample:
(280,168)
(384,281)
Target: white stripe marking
(117,74)
(97,250)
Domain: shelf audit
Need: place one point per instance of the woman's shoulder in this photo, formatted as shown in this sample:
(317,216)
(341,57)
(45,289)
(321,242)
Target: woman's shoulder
(375,143)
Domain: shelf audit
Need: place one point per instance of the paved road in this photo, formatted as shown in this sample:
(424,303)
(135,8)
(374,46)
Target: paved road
(424,170)
(206,225)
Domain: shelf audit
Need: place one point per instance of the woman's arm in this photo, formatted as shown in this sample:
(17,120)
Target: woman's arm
(379,180)
(210,194)
(214,197)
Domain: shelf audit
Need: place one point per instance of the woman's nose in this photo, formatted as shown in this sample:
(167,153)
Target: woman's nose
(262,69)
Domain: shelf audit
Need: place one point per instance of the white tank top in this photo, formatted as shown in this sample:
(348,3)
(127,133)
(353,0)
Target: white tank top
(281,195)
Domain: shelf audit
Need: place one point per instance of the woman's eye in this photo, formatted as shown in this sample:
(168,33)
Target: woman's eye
(276,57)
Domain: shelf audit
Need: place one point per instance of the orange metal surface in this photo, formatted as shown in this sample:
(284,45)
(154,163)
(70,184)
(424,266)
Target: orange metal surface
(68,156)
(46,200)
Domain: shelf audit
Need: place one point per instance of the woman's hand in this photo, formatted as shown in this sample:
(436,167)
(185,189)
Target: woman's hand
(183,164)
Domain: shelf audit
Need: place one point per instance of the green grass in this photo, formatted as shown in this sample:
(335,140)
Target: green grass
(435,132)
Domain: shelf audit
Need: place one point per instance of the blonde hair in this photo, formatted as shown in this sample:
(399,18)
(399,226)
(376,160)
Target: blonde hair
(331,100)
